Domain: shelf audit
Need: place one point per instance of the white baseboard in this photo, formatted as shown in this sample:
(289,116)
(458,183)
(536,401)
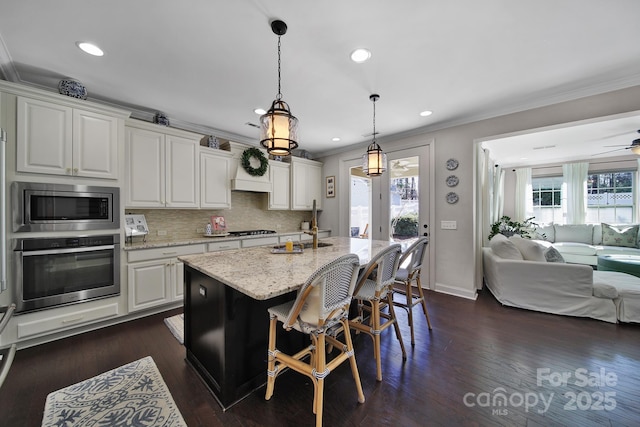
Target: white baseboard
(471,294)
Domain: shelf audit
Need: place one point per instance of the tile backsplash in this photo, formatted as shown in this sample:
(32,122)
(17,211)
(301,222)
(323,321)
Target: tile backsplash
(248,212)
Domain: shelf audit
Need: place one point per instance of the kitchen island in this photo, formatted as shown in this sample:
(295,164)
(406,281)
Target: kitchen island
(226,299)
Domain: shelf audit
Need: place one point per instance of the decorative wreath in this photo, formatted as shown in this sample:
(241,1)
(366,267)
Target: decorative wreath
(246,163)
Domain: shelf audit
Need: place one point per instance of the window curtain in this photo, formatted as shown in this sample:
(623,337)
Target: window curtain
(524,195)
(492,183)
(575,183)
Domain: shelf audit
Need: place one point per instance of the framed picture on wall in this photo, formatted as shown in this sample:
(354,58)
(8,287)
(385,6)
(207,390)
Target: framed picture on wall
(331,186)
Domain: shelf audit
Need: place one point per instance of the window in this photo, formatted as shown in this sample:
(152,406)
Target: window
(547,199)
(610,197)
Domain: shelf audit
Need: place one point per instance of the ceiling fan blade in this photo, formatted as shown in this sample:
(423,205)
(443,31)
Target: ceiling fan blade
(617,145)
(610,151)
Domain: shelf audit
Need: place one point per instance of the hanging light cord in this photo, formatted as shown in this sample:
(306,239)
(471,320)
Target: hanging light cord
(279,96)
(374,120)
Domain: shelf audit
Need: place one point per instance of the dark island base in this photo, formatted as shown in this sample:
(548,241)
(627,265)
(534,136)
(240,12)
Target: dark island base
(226,334)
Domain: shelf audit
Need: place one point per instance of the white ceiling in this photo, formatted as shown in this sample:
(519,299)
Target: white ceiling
(211,62)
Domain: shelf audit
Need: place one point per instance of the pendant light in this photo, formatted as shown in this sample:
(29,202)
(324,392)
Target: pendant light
(374,161)
(278,127)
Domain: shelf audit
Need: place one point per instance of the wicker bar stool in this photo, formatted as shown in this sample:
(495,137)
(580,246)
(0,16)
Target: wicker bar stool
(409,272)
(374,291)
(321,304)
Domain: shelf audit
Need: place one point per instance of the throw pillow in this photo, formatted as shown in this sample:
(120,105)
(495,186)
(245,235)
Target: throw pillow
(544,232)
(622,235)
(578,233)
(551,254)
(504,248)
(530,250)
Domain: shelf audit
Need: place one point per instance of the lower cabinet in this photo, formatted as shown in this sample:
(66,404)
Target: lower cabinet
(155,276)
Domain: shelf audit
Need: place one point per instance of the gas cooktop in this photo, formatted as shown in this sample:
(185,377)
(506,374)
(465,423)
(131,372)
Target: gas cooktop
(251,232)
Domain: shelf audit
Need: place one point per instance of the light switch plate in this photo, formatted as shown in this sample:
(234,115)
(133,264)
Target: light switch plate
(448,225)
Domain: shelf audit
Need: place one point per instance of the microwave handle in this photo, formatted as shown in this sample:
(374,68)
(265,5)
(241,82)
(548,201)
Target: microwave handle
(67,250)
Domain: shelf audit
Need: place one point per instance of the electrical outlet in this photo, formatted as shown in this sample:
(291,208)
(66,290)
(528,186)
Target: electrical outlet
(448,225)
(162,232)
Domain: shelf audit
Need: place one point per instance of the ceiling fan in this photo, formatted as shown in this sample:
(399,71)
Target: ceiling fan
(634,147)
(400,165)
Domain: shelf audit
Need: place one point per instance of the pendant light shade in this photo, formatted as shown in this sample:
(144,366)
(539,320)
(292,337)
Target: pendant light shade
(278,127)
(374,161)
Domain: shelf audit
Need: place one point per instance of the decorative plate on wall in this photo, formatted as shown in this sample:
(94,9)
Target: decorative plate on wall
(452,164)
(452,198)
(452,181)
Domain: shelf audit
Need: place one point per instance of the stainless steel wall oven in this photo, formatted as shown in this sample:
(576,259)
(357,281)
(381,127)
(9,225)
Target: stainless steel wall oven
(65,270)
(63,207)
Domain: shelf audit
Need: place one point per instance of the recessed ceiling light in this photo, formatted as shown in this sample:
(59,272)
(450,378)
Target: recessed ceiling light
(259,111)
(90,48)
(335,139)
(426,113)
(360,55)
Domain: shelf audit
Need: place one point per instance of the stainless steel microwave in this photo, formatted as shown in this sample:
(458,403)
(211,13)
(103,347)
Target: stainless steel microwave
(63,207)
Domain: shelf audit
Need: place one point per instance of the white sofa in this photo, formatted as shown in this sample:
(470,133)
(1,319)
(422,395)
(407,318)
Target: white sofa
(520,276)
(581,244)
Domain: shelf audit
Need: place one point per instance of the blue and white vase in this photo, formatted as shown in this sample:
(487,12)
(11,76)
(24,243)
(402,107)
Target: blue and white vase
(73,88)
(161,119)
(212,141)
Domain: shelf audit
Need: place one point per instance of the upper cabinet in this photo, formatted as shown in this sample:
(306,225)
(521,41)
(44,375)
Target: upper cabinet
(58,139)
(215,172)
(162,167)
(306,184)
(280,185)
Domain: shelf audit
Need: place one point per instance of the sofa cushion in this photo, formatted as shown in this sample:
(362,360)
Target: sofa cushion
(597,234)
(504,248)
(575,248)
(622,235)
(551,254)
(604,290)
(616,250)
(579,233)
(530,250)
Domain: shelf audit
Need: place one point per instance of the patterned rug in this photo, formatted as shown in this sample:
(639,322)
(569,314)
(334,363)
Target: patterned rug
(131,395)
(176,326)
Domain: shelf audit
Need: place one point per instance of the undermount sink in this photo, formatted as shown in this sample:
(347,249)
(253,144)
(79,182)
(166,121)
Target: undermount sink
(306,245)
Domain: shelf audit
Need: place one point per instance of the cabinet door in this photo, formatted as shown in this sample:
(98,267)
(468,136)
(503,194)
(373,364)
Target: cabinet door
(306,185)
(95,145)
(145,161)
(149,284)
(182,172)
(44,137)
(280,181)
(215,185)
(177,280)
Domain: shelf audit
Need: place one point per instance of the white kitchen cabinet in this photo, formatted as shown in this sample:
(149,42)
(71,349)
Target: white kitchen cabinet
(280,181)
(156,276)
(162,167)
(306,184)
(215,179)
(59,139)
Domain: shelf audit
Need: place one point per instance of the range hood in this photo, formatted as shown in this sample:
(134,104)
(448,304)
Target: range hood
(241,180)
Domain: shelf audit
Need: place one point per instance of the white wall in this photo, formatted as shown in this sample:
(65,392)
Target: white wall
(456,255)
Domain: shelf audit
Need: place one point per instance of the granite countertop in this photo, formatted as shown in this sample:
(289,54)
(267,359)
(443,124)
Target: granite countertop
(203,239)
(261,274)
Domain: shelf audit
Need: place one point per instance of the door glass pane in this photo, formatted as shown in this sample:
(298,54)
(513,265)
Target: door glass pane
(404,203)
(360,203)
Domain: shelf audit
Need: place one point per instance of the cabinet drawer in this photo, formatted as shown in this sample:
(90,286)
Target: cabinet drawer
(166,252)
(65,321)
(260,241)
(223,246)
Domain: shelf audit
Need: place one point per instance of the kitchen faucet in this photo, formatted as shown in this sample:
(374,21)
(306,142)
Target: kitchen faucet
(314,226)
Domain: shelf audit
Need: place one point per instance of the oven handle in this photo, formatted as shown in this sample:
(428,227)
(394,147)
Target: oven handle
(67,250)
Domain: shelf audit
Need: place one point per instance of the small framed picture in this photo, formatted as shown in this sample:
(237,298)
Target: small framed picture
(331,186)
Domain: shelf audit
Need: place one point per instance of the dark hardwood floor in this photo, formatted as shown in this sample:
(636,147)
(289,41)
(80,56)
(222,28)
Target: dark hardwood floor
(476,367)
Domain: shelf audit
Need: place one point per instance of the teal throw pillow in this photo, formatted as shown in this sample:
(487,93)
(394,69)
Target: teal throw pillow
(620,235)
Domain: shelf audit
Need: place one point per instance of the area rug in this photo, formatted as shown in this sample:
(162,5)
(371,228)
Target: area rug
(176,326)
(131,395)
